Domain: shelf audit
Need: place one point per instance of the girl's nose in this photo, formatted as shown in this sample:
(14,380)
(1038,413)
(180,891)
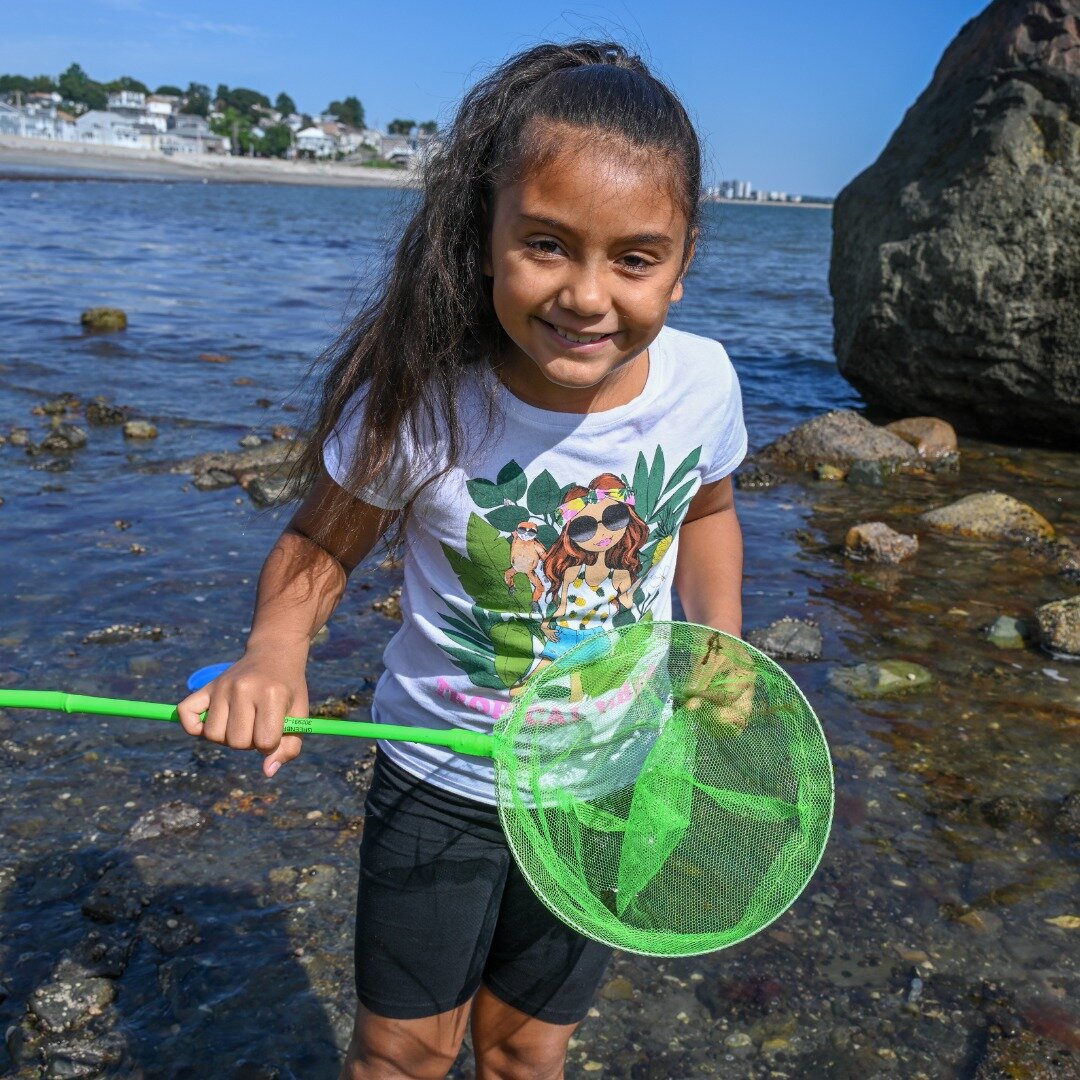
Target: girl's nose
(584,292)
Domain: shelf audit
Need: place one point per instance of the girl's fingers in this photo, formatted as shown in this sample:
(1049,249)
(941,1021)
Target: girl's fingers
(217,718)
(190,711)
(287,749)
(240,730)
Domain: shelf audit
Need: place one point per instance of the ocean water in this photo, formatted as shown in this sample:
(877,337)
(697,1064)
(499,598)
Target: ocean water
(949,834)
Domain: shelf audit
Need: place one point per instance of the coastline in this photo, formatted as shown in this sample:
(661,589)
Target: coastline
(40,159)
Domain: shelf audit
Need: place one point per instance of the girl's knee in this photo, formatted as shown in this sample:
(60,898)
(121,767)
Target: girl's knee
(383,1048)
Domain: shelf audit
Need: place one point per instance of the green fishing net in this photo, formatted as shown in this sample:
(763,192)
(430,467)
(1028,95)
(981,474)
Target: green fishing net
(664,788)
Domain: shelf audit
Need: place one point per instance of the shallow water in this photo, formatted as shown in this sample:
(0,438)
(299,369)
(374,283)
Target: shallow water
(925,931)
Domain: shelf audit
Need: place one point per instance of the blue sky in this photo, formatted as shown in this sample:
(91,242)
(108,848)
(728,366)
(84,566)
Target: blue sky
(796,96)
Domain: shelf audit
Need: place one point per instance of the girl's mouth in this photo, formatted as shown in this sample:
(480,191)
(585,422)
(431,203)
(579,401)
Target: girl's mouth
(604,543)
(577,342)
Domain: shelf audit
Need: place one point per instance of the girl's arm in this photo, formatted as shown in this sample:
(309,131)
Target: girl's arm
(708,572)
(300,585)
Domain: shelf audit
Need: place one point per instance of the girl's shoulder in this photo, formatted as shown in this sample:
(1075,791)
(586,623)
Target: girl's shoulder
(690,359)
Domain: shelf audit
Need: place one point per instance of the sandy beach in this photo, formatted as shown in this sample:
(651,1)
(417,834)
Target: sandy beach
(23,158)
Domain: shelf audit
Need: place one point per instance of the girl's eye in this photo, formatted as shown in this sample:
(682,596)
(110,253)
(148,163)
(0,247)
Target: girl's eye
(545,247)
(637,263)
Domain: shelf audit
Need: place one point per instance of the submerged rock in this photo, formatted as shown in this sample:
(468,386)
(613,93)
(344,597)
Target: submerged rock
(956,255)
(788,639)
(990,515)
(840,437)
(876,542)
(1059,627)
(104,319)
(755,478)
(1006,632)
(170,817)
(100,413)
(64,438)
(883,678)
(72,999)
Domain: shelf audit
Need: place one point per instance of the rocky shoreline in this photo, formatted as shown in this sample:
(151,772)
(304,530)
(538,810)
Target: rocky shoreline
(937,640)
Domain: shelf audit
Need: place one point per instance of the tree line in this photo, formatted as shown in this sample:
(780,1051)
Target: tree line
(242,107)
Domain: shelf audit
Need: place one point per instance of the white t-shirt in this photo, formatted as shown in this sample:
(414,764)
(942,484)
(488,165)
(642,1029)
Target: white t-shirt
(493,569)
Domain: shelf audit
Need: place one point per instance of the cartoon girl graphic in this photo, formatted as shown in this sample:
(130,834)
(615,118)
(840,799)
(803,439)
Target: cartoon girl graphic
(593,567)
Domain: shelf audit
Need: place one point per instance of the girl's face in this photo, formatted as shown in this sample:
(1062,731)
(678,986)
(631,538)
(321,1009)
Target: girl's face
(599,526)
(586,256)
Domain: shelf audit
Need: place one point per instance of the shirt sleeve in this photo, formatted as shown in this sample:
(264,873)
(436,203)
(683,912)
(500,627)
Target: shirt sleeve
(728,427)
(395,485)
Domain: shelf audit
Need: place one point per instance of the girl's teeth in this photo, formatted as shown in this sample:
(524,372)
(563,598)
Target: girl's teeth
(577,339)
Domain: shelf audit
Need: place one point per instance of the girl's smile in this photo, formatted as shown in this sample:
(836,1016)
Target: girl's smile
(587,253)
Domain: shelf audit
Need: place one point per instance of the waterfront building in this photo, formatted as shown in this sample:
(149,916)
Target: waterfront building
(315,141)
(37,119)
(106,128)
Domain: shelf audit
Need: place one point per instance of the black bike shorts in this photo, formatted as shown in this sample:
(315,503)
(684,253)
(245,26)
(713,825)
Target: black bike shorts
(442,908)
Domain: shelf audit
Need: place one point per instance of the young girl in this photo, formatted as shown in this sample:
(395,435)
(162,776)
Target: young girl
(517,346)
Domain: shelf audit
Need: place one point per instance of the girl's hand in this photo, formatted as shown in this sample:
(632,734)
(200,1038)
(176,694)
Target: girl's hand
(550,632)
(246,706)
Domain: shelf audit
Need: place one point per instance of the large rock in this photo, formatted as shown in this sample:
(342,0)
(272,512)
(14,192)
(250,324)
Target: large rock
(840,437)
(990,515)
(956,256)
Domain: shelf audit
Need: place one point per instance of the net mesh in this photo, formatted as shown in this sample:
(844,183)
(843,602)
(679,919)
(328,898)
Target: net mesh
(665,788)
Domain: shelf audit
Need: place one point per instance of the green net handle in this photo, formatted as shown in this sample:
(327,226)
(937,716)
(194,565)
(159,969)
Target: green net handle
(464,742)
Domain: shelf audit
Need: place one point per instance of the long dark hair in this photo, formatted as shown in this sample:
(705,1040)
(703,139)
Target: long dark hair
(432,318)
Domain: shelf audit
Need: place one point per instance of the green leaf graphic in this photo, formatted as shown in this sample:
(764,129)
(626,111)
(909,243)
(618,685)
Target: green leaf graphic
(680,473)
(543,499)
(484,493)
(547,535)
(656,482)
(513,481)
(507,519)
(513,651)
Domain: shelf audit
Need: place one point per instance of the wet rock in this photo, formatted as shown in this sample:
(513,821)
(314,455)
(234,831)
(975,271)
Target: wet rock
(390,606)
(884,678)
(990,515)
(19,437)
(118,896)
(119,632)
(62,403)
(71,999)
(249,442)
(101,414)
(1067,818)
(169,818)
(831,473)
(931,437)
(103,319)
(214,479)
(81,1056)
(214,358)
(618,989)
(64,438)
(755,478)
(1006,632)
(876,542)
(269,461)
(283,431)
(269,490)
(140,429)
(1005,810)
(840,437)
(106,952)
(56,878)
(869,473)
(1026,1056)
(169,933)
(1058,626)
(788,639)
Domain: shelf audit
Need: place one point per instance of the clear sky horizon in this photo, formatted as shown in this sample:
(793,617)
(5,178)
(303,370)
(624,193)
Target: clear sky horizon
(791,96)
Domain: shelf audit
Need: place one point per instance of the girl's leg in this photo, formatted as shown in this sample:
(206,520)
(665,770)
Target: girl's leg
(386,1049)
(511,1045)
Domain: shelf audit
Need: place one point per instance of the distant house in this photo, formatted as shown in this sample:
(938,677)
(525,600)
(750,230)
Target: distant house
(38,119)
(106,129)
(398,149)
(316,142)
(189,134)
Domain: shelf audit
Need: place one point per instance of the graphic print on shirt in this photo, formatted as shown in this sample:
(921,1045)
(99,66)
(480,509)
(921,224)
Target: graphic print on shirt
(550,564)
